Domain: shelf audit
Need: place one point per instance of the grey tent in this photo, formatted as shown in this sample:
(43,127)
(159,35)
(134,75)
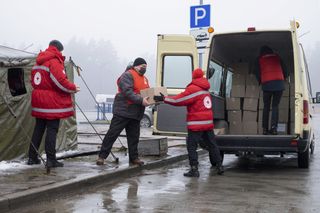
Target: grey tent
(15,100)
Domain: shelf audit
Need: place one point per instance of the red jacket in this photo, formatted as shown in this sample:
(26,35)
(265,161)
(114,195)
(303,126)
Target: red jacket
(198,101)
(51,95)
(270,68)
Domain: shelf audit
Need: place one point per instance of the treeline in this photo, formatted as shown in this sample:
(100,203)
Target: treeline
(101,67)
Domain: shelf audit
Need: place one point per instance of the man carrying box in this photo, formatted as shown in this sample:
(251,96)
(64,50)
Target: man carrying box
(128,110)
(199,120)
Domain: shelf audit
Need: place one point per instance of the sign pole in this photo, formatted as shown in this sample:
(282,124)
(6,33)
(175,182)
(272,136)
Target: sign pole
(200,54)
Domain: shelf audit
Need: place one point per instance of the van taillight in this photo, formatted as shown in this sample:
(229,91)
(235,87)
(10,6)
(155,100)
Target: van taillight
(251,29)
(305,112)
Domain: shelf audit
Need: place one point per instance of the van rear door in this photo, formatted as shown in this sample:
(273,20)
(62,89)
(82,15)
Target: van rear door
(177,57)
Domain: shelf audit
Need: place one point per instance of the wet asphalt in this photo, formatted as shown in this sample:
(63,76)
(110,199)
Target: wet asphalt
(250,184)
(268,184)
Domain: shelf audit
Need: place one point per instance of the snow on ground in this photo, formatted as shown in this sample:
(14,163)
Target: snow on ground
(10,165)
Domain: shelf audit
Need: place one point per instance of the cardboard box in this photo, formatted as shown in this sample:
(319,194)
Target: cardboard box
(282,128)
(260,129)
(286,90)
(238,79)
(150,92)
(252,91)
(233,104)
(284,103)
(235,128)
(251,80)
(250,104)
(238,91)
(235,115)
(241,68)
(283,115)
(250,128)
(249,116)
(151,146)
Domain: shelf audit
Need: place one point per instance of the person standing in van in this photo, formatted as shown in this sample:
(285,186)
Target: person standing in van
(51,101)
(128,111)
(271,73)
(199,120)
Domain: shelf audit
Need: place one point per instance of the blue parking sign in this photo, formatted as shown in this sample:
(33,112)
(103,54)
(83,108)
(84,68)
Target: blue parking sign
(200,16)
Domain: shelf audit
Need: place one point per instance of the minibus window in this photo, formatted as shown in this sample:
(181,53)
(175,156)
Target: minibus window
(215,80)
(177,71)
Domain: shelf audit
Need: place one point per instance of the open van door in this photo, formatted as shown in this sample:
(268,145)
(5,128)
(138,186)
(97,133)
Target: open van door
(177,57)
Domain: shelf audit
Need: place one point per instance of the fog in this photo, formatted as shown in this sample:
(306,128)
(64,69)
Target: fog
(103,36)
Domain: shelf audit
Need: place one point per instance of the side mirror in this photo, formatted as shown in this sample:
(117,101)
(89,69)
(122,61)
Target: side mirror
(211,72)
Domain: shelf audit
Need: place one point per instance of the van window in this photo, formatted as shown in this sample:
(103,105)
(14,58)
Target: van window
(215,80)
(177,71)
(16,81)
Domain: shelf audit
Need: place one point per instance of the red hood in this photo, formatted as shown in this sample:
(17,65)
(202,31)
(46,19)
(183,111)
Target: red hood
(50,53)
(201,82)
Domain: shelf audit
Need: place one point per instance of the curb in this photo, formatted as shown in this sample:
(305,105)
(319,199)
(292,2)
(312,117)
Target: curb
(43,193)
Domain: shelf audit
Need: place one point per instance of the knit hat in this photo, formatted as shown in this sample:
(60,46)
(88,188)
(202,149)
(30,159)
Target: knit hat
(56,44)
(197,73)
(139,61)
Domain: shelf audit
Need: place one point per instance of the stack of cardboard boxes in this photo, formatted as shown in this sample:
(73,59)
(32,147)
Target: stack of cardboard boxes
(245,104)
(242,106)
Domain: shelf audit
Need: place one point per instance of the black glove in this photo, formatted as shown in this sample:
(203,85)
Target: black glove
(159,97)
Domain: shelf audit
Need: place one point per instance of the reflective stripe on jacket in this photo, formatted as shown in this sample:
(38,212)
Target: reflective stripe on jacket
(199,104)
(51,95)
(270,68)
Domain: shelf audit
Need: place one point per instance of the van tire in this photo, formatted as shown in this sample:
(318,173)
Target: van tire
(312,145)
(145,122)
(304,159)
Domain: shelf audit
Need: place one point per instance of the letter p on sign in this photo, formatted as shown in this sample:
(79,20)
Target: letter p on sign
(200,16)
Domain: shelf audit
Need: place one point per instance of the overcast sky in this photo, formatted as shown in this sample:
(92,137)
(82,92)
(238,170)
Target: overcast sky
(132,25)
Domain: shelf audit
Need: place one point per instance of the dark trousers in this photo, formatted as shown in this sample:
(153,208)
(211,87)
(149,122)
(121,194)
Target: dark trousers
(276,97)
(132,127)
(194,138)
(52,127)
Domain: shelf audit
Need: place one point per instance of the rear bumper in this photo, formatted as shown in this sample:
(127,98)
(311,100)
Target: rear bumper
(261,143)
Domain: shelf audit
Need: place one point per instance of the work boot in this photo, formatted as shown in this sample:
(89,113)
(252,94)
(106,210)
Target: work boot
(32,161)
(265,131)
(274,131)
(137,161)
(193,172)
(219,168)
(54,163)
(100,161)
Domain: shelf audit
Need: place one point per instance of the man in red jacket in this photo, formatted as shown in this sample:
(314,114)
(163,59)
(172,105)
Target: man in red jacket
(271,72)
(199,120)
(51,101)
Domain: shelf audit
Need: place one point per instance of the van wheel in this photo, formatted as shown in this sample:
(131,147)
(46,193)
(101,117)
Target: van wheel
(145,122)
(312,145)
(304,159)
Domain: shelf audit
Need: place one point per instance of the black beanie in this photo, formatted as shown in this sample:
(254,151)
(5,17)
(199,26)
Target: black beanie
(57,44)
(139,61)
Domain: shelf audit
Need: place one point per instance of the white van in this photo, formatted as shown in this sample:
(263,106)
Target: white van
(236,94)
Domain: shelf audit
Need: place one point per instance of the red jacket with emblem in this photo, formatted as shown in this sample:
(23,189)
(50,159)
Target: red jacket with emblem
(198,101)
(51,95)
(270,68)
